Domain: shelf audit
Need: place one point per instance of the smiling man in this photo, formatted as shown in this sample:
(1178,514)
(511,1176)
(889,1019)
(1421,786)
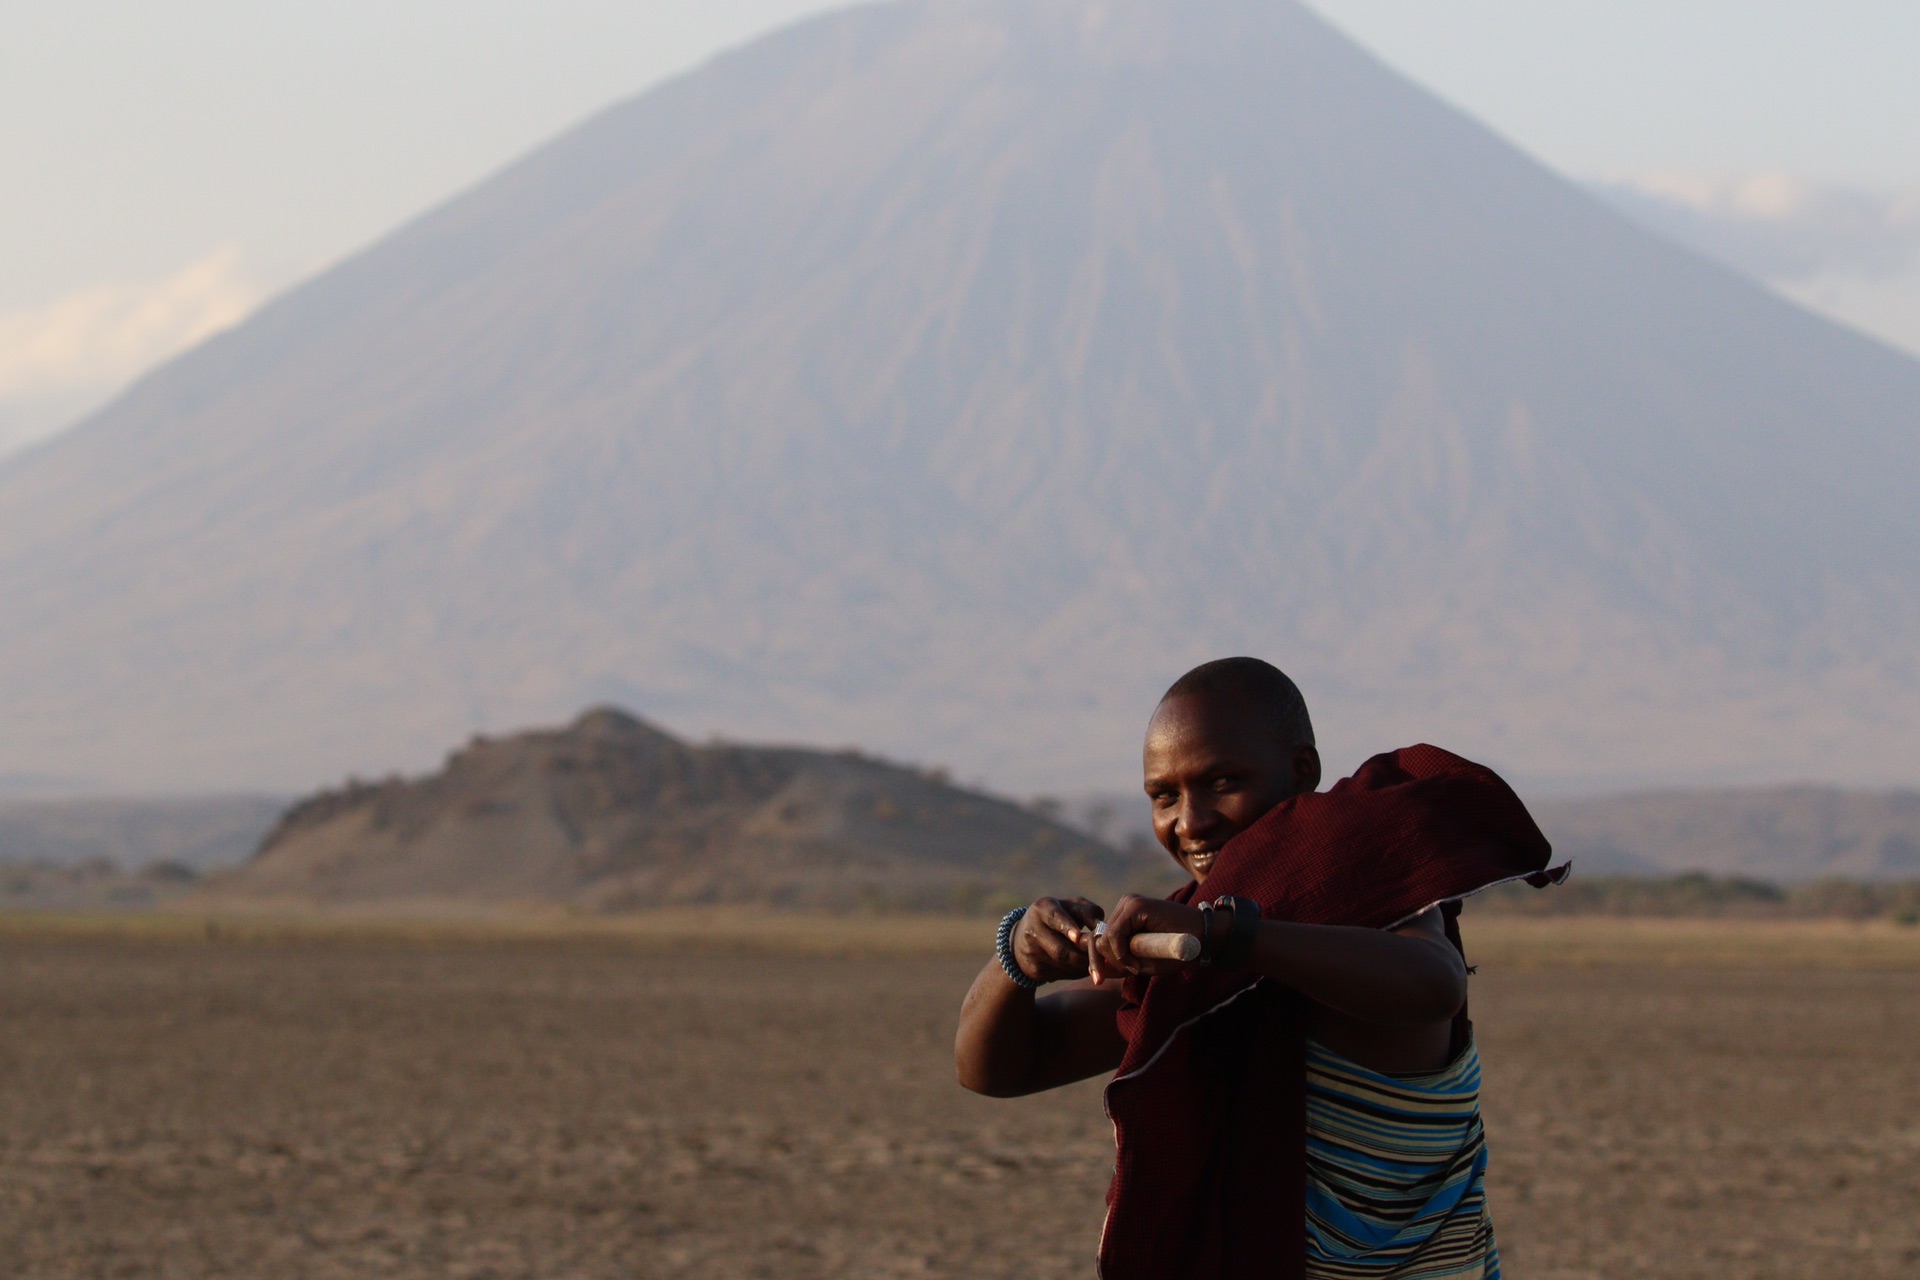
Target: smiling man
(1302,1100)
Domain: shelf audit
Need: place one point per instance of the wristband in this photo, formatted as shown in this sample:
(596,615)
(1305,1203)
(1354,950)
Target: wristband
(1003,948)
(1238,944)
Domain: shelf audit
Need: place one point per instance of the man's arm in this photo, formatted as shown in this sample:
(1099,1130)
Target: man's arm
(1408,976)
(1010,1042)
(1411,976)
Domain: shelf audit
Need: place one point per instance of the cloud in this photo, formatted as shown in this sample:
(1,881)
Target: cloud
(1783,229)
(108,334)
(60,361)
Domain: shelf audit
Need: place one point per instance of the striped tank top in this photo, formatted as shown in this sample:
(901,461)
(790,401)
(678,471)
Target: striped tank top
(1396,1171)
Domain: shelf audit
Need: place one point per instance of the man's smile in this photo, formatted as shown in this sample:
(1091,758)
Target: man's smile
(1212,767)
(1200,861)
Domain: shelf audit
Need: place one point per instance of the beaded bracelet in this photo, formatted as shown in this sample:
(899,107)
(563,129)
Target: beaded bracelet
(1003,948)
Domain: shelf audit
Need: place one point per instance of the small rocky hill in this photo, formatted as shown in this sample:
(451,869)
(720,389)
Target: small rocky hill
(611,814)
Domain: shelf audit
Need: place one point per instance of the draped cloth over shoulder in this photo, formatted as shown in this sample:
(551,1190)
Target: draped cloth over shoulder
(1209,1104)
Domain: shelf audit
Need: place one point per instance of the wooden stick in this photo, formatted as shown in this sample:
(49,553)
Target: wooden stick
(1183,947)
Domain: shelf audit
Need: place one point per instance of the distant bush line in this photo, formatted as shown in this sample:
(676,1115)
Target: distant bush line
(1698,895)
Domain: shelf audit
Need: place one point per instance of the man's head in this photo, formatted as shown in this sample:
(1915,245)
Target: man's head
(1230,740)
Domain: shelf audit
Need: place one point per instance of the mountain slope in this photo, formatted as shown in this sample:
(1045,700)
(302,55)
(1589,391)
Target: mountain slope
(946,377)
(610,813)
(1783,834)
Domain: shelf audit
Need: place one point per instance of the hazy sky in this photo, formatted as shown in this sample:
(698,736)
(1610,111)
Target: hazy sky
(162,167)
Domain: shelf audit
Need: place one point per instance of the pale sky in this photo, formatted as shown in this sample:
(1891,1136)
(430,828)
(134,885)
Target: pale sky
(164,167)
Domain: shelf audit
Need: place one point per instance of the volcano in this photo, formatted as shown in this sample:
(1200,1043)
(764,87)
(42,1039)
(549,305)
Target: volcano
(945,378)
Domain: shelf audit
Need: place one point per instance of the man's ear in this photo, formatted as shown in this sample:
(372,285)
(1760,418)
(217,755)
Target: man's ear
(1306,770)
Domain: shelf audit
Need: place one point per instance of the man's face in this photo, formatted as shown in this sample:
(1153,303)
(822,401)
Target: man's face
(1212,771)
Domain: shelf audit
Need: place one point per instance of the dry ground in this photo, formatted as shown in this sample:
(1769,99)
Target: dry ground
(367,1105)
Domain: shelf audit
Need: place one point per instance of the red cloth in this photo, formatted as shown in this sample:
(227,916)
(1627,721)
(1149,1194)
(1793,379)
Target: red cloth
(1209,1104)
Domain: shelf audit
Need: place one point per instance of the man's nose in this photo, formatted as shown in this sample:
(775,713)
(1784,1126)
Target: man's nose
(1196,819)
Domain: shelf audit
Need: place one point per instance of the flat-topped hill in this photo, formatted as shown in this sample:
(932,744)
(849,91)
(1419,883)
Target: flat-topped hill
(610,813)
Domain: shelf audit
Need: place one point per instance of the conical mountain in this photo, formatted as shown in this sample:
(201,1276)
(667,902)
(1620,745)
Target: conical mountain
(945,377)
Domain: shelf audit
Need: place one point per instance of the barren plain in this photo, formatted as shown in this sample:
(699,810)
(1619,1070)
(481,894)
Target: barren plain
(281,1104)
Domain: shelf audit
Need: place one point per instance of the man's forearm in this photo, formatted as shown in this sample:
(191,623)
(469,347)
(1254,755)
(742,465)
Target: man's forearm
(993,1048)
(1011,1043)
(1369,974)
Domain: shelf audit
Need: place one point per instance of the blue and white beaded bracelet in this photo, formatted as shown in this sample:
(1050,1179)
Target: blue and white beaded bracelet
(1003,948)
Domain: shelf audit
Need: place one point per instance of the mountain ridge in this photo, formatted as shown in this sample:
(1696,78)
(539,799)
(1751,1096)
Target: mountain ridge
(1788,834)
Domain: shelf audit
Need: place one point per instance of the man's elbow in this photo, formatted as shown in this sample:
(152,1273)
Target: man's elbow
(1440,993)
(985,1083)
(980,1070)
(1425,987)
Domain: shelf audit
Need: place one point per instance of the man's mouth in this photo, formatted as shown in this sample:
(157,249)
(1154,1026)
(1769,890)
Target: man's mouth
(1200,861)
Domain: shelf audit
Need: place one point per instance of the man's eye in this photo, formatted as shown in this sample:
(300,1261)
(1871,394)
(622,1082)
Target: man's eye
(1223,785)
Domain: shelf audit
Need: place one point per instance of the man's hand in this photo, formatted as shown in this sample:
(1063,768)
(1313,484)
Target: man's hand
(1013,1041)
(1053,941)
(1135,914)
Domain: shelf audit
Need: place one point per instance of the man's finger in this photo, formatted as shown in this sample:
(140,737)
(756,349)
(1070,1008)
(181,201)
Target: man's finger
(1050,920)
(1054,914)
(1084,916)
(1062,953)
(1095,969)
(1134,960)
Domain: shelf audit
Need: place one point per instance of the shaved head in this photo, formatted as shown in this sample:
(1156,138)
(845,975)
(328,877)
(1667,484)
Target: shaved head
(1250,687)
(1229,741)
